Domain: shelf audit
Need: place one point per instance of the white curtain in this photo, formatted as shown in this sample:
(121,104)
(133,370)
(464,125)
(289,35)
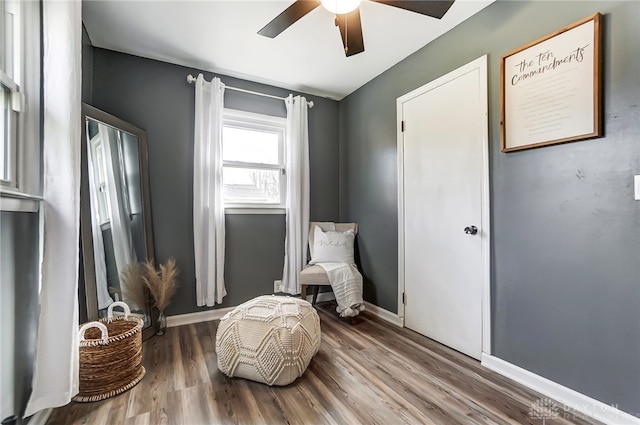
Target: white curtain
(297,222)
(208,207)
(55,378)
(104,299)
(118,200)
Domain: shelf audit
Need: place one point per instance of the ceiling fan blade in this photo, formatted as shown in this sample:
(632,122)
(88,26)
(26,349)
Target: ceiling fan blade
(433,8)
(290,15)
(351,32)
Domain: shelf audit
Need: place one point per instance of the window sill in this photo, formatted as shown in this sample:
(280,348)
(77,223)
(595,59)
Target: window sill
(255,210)
(16,201)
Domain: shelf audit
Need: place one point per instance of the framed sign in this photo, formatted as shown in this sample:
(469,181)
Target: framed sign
(550,88)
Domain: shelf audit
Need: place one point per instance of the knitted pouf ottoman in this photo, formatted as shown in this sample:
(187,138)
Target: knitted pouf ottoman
(269,339)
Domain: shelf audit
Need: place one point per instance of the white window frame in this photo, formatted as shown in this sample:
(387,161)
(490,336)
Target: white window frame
(11,90)
(21,191)
(260,122)
(100,181)
(10,66)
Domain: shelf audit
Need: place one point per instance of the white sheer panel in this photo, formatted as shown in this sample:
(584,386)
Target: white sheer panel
(208,206)
(297,226)
(55,378)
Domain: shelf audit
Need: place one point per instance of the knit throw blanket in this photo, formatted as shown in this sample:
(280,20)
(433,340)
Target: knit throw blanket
(346,282)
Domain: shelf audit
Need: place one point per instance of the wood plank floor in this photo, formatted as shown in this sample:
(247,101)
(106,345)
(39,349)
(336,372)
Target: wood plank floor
(368,373)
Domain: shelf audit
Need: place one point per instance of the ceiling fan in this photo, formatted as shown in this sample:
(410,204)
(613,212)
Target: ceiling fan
(348,17)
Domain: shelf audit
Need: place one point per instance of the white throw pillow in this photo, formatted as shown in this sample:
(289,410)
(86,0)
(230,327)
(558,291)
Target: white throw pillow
(332,247)
(327,226)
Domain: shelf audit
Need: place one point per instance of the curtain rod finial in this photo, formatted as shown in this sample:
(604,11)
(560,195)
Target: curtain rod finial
(310,103)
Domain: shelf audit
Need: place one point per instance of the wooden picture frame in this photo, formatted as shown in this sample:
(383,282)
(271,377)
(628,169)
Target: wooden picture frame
(550,89)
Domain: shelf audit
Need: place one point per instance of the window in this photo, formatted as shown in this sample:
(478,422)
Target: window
(100,178)
(20,109)
(253,160)
(9,91)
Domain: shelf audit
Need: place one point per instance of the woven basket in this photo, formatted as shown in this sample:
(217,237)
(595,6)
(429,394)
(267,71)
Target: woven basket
(110,355)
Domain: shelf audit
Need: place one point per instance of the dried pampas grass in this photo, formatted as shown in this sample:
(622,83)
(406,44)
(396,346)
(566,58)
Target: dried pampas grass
(132,285)
(162,283)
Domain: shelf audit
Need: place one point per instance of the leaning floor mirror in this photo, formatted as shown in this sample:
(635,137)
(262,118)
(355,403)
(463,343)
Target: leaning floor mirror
(115,215)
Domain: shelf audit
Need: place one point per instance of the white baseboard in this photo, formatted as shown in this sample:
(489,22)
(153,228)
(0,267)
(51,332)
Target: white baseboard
(379,312)
(383,314)
(200,316)
(215,314)
(40,418)
(569,398)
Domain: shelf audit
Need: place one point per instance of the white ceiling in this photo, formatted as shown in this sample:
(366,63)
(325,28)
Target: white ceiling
(221,36)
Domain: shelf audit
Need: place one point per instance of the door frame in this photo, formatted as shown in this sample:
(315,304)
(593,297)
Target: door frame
(479,64)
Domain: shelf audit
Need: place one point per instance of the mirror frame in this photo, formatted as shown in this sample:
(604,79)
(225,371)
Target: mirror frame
(91,293)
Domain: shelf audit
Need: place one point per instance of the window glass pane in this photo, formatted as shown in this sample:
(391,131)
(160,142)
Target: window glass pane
(249,145)
(8,55)
(103,204)
(250,185)
(100,163)
(4,132)
(101,184)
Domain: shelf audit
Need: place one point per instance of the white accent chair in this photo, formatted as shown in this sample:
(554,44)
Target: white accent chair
(312,274)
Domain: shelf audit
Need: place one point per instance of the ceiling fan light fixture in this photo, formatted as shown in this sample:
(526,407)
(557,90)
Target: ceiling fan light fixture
(340,7)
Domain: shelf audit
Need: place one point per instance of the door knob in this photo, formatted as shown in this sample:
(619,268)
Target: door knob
(471,230)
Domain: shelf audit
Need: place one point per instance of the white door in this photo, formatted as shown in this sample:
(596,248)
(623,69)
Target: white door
(443,189)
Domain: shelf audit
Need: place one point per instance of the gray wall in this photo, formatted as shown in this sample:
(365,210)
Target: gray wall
(19,278)
(566,230)
(156,97)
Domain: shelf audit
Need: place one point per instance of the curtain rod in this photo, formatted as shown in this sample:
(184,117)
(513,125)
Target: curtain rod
(191,79)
